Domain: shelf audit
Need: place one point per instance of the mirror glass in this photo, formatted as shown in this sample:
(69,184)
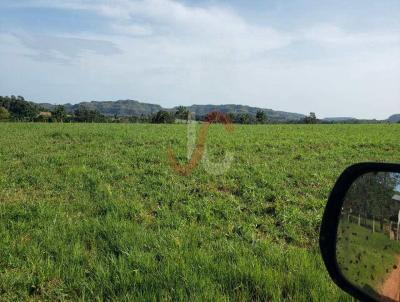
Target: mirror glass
(368,239)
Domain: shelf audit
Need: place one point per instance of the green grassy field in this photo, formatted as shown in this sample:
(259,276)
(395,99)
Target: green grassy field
(94,211)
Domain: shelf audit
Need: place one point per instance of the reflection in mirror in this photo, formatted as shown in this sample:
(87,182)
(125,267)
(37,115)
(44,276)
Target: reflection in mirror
(368,239)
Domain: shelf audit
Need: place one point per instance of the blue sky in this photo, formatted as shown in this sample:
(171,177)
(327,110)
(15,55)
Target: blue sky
(336,58)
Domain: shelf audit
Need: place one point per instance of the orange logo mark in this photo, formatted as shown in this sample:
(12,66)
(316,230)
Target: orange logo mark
(198,152)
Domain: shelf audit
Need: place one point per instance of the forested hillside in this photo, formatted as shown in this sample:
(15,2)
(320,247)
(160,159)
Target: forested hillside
(135,108)
(395,118)
(16,108)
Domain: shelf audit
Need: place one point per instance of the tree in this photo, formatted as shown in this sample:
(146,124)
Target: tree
(311,119)
(261,117)
(4,114)
(163,117)
(244,118)
(370,196)
(59,113)
(231,117)
(182,113)
(18,108)
(83,114)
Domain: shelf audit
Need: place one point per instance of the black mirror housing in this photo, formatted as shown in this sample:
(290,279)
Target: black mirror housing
(330,223)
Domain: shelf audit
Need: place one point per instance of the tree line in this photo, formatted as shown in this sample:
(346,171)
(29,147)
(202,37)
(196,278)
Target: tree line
(370,198)
(17,109)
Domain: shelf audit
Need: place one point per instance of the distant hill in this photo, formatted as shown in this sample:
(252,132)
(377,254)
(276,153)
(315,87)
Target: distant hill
(395,118)
(231,108)
(120,107)
(135,108)
(338,119)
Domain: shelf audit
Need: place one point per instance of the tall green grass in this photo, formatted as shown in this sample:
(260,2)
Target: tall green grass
(94,212)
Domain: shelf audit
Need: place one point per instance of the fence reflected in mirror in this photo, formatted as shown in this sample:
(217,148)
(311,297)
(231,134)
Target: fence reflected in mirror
(368,239)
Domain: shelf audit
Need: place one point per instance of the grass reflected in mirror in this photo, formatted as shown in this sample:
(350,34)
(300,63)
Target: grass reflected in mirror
(365,258)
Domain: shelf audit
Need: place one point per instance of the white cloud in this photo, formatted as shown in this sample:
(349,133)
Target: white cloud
(132,29)
(167,52)
(64,49)
(333,35)
(213,27)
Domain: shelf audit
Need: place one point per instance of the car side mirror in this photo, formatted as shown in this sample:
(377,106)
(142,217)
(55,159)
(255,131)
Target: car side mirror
(360,232)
